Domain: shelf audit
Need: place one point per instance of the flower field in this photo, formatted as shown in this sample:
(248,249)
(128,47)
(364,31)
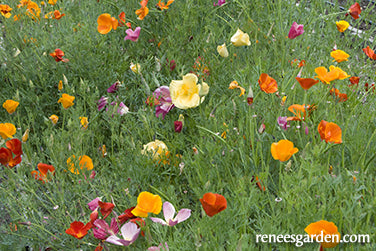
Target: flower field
(186,125)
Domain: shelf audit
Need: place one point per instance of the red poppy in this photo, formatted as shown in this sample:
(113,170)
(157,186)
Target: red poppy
(78,229)
(355,10)
(121,21)
(370,53)
(106,208)
(58,56)
(43,171)
(127,215)
(341,96)
(213,203)
(354,80)
(307,83)
(14,146)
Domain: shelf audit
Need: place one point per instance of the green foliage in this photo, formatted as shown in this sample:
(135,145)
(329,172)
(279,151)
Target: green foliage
(186,31)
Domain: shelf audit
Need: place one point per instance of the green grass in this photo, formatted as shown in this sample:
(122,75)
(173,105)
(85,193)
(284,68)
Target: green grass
(187,30)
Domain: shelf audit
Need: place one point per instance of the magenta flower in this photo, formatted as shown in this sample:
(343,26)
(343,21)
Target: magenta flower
(129,231)
(94,204)
(114,87)
(133,35)
(178,126)
(283,123)
(219,3)
(102,230)
(295,30)
(102,102)
(123,109)
(162,94)
(169,212)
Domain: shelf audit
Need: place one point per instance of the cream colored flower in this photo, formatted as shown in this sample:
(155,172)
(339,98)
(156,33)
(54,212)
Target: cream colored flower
(222,50)
(240,38)
(155,148)
(187,93)
(136,68)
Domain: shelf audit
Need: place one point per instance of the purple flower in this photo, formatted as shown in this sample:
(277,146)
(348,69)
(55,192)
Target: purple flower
(102,102)
(219,3)
(102,230)
(162,94)
(114,87)
(133,35)
(283,123)
(129,231)
(295,30)
(169,212)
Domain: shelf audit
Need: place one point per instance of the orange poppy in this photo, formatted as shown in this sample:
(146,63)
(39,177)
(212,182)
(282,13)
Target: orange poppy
(283,150)
(306,83)
(78,229)
(143,11)
(341,96)
(267,83)
(58,15)
(370,53)
(213,203)
(163,6)
(106,23)
(299,111)
(330,132)
(354,80)
(5,10)
(58,56)
(147,203)
(42,173)
(320,230)
(355,10)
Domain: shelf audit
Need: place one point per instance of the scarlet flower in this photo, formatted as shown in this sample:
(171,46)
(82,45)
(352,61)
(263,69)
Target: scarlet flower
(14,146)
(258,183)
(354,80)
(267,83)
(121,21)
(78,229)
(330,132)
(370,53)
(307,83)
(43,171)
(213,203)
(106,208)
(127,215)
(355,10)
(58,56)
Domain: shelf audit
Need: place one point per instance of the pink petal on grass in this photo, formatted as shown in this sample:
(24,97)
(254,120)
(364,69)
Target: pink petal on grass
(133,35)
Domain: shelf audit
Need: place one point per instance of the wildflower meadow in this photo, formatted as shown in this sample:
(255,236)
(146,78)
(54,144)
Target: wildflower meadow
(187,125)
